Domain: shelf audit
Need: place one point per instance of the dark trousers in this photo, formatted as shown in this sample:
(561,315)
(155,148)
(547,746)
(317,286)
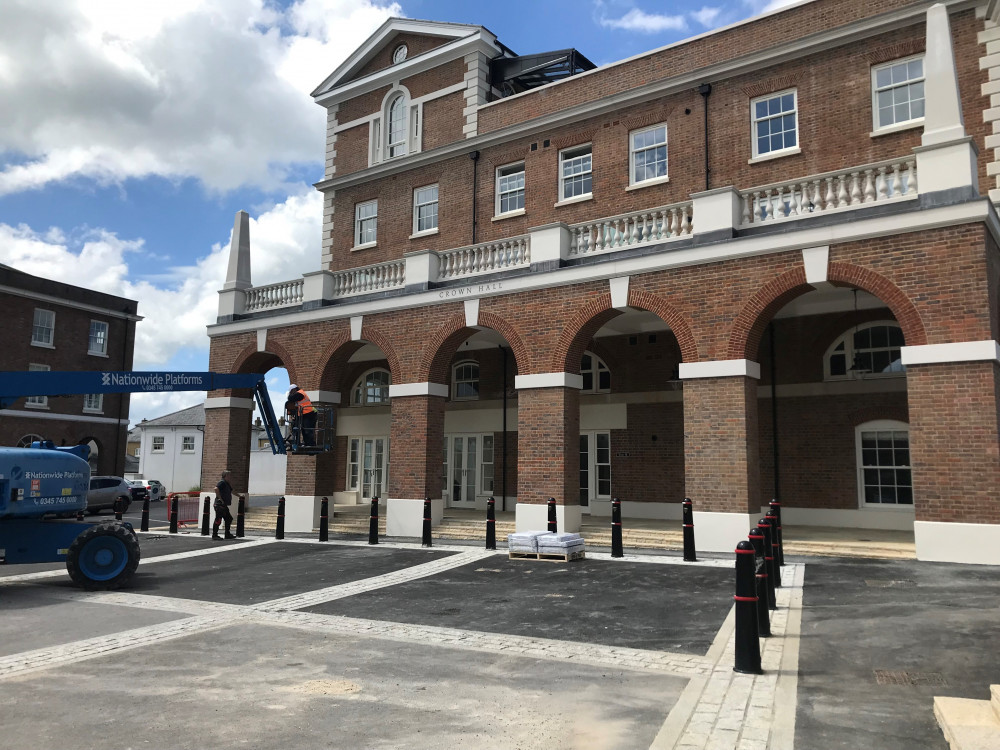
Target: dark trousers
(222,513)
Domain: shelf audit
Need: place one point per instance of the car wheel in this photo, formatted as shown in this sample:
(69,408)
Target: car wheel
(105,556)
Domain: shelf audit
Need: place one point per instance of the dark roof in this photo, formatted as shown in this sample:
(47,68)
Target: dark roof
(192,416)
(131,464)
(20,280)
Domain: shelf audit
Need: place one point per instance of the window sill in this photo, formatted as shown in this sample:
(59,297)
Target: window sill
(365,246)
(425,233)
(158,451)
(44,407)
(98,354)
(775,155)
(187,452)
(40,345)
(898,128)
(888,507)
(509,215)
(648,183)
(577,199)
(93,411)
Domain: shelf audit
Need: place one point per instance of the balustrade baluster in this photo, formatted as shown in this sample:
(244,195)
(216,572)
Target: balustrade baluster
(869,191)
(911,177)
(897,185)
(882,184)
(855,189)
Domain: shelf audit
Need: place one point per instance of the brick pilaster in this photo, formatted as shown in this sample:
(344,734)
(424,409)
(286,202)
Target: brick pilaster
(416,440)
(721,454)
(548,445)
(227,446)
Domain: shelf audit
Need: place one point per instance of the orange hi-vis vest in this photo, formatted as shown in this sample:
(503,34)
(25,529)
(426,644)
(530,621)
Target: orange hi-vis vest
(305,405)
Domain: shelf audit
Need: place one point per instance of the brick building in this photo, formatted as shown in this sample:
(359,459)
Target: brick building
(49,325)
(760,262)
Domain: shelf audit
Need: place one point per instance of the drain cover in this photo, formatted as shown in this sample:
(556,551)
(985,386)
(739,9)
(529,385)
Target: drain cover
(901,677)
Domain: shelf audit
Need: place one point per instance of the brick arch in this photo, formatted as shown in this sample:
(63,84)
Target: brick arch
(246,360)
(333,361)
(441,349)
(588,320)
(750,324)
(872,413)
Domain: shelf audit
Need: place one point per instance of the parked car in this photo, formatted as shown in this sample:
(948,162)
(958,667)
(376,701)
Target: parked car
(104,491)
(139,490)
(156,490)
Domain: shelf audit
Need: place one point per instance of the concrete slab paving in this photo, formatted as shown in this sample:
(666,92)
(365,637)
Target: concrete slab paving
(658,607)
(297,689)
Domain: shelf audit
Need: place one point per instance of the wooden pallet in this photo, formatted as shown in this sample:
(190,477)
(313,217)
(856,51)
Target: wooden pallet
(550,556)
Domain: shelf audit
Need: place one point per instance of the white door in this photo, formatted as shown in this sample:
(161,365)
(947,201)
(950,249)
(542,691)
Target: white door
(595,467)
(462,470)
(368,466)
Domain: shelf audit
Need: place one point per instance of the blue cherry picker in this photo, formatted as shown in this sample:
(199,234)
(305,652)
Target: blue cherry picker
(43,482)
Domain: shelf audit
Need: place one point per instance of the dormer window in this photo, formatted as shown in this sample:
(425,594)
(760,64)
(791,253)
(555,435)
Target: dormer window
(396,131)
(399,54)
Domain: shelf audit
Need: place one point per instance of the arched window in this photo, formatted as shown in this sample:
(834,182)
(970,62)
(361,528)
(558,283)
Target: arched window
(870,350)
(371,389)
(27,440)
(396,145)
(596,375)
(465,381)
(395,130)
(883,459)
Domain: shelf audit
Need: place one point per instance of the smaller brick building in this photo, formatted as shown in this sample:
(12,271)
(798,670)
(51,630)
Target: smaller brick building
(49,325)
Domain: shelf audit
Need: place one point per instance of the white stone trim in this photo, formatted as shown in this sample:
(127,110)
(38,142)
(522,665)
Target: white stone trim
(301,513)
(357,321)
(472,312)
(619,292)
(49,299)
(817,262)
(417,389)
(228,402)
(61,417)
(963,351)
(723,368)
(535,517)
(720,532)
(261,339)
(548,380)
(405,516)
(972,543)
(324,397)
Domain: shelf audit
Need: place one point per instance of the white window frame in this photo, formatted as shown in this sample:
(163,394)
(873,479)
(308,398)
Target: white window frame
(27,440)
(399,54)
(51,328)
(455,381)
(506,171)
(360,230)
(360,392)
(754,120)
(566,156)
(847,338)
(353,477)
(597,366)
(882,425)
(185,440)
(379,130)
(877,126)
(402,131)
(103,351)
(93,403)
(417,231)
(157,444)
(593,471)
(485,464)
(633,151)
(37,402)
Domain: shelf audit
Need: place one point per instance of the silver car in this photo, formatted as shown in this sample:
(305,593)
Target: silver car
(104,491)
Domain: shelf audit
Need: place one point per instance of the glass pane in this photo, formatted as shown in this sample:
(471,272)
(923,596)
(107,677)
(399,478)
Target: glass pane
(883,77)
(838,364)
(760,110)
(869,457)
(788,102)
(904,495)
(605,380)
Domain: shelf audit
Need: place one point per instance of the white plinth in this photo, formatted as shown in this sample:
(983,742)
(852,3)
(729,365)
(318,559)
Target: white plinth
(721,532)
(533,517)
(301,513)
(405,517)
(975,543)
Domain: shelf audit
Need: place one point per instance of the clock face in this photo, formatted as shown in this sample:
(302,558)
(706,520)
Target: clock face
(399,54)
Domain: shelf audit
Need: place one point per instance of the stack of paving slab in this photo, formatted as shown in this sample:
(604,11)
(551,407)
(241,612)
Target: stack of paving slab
(545,545)
(970,724)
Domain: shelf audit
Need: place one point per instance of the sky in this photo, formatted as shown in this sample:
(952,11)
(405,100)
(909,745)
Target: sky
(132,131)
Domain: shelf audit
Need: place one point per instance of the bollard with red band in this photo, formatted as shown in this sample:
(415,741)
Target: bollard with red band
(760,569)
(765,528)
(426,539)
(747,637)
(491,524)
(144,523)
(373,523)
(205,515)
(775,507)
(552,515)
(687,512)
(324,519)
(173,515)
(279,528)
(241,511)
(616,529)
(775,547)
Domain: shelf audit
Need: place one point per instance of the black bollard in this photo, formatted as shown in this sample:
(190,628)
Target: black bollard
(373,523)
(426,539)
(775,507)
(206,515)
(775,547)
(616,528)
(491,524)
(241,511)
(552,515)
(687,513)
(324,519)
(173,516)
(760,570)
(118,509)
(79,515)
(144,524)
(765,528)
(747,638)
(279,529)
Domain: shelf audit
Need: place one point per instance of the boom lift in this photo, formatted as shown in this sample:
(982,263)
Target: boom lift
(41,483)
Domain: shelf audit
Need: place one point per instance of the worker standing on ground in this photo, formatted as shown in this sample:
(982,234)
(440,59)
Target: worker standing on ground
(300,409)
(223,499)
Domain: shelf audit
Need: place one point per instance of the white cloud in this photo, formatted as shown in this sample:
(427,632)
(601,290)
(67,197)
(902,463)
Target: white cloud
(706,16)
(766,6)
(211,89)
(647,23)
(284,240)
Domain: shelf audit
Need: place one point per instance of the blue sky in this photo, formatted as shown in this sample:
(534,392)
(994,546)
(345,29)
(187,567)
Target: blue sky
(132,131)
